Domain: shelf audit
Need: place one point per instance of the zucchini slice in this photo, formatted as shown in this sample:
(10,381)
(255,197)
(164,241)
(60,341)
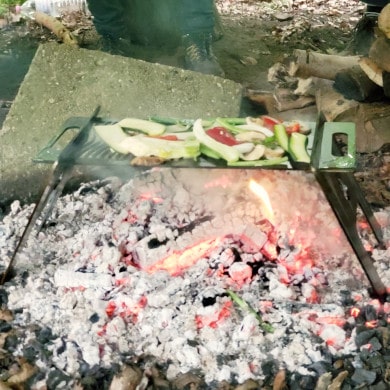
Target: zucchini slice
(145,126)
(297,147)
(113,136)
(281,136)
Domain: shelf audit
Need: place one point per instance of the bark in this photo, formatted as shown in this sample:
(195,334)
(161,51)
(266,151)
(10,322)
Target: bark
(354,84)
(332,104)
(386,83)
(56,27)
(324,66)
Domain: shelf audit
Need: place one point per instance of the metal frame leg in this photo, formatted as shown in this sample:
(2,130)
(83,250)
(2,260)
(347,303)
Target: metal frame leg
(344,204)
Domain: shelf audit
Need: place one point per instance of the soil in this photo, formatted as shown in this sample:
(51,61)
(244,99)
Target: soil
(253,36)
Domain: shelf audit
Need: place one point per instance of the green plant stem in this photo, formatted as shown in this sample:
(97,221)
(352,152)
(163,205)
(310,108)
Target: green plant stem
(245,306)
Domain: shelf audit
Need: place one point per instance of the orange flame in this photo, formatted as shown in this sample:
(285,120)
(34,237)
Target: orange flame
(262,194)
(179,261)
(355,311)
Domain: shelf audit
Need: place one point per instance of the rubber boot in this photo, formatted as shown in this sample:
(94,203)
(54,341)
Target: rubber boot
(199,55)
(116,46)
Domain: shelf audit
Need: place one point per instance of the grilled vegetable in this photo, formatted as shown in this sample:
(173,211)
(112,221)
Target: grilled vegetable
(245,306)
(113,136)
(281,136)
(147,127)
(142,145)
(226,152)
(250,136)
(268,121)
(256,154)
(271,153)
(297,147)
(245,147)
(259,163)
(238,141)
(240,128)
(222,135)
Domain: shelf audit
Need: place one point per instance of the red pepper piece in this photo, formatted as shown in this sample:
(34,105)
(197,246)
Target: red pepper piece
(293,128)
(170,137)
(269,122)
(222,135)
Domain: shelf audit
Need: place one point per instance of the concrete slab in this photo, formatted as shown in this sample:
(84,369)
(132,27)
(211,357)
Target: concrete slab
(63,82)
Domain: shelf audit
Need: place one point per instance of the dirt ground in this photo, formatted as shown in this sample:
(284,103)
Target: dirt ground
(255,35)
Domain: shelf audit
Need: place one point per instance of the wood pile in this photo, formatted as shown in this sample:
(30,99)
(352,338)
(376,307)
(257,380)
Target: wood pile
(343,87)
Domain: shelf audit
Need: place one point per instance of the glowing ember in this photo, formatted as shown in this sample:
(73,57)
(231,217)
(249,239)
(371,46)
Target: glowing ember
(355,312)
(213,239)
(213,318)
(371,324)
(261,192)
(176,263)
(149,196)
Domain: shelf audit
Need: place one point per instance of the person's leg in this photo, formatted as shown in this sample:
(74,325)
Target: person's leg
(197,26)
(108,18)
(110,22)
(364,32)
(197,16)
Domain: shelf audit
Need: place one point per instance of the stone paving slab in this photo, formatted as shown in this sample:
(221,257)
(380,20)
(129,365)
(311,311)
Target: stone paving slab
(63,82)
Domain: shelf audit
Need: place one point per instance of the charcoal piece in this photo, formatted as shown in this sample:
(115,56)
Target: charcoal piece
(380,386)
(301,382)
(5,326)
(45,335)
(30,353)
(270,367)
(320,367)
(11,342)
(94,318)
(96,377)
(57,378)
(376,361)
(364,337)
(375,344)
(208,301)
(370,313)
(347,299)
(3,297)
(362,376)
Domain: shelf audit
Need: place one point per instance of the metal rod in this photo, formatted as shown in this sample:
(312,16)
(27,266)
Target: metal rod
(345,212)
(61,172)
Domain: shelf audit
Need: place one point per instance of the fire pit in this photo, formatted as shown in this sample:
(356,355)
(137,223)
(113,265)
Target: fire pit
(146,271)
(229,274)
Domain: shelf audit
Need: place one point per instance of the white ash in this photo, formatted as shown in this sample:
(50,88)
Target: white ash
(91,262)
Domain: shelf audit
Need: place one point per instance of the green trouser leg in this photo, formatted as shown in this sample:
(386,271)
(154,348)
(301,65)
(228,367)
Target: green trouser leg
(109,17)
(197,16)
(197,26)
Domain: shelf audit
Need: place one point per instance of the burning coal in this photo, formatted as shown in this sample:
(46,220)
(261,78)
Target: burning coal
(145,269)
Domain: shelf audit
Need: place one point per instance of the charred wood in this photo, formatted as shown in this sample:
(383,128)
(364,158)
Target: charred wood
(354,84)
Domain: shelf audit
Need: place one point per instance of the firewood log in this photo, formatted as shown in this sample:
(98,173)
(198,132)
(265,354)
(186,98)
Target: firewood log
(324,66)
(56,27)
(354,84)
(386,83)
(384,21)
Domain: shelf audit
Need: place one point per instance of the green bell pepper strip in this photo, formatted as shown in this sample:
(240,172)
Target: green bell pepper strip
(245,306)
(259,163)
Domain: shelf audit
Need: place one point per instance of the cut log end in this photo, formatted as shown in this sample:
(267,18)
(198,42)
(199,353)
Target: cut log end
(354,84)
